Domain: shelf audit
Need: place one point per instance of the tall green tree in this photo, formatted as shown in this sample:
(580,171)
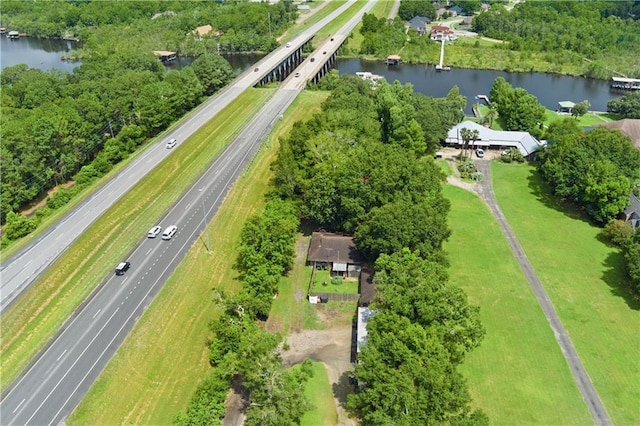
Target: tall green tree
(594,169)
(213,71)
(628,105)
(580,109)
(422,329)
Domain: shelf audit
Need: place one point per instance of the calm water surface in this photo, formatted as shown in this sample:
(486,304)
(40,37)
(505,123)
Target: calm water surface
(548,88)
(38,53)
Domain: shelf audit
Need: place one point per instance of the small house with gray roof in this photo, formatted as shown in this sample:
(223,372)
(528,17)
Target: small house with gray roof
(419,23)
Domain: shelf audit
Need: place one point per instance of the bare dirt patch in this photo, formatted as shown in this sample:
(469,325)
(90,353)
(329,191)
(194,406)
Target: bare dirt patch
(333,348)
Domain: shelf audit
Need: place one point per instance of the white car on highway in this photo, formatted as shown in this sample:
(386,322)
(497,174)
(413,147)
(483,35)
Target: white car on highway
(169,232)
(171,143)
(154,232)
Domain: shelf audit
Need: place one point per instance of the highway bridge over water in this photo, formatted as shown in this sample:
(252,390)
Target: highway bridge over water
(59,376)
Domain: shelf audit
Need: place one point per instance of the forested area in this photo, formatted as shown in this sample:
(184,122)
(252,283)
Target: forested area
(596,170)
(596,39)
(628,106)
(407,371)
(363,165)
(607,32)
(59,127)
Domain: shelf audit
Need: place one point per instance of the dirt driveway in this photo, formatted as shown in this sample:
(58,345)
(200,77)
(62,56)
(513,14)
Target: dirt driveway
(332,347)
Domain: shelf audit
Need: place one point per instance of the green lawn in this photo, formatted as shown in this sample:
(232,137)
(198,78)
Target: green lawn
(288,309)
(585,281)
(38,314)
(518,375)
(154,373)
(318,390)
(324,283)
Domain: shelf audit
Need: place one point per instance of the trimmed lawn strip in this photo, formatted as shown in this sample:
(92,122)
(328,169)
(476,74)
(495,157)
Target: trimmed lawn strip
(31,322)
(154,373)
(518,374)
(287,310)
(318,390)
(585,281)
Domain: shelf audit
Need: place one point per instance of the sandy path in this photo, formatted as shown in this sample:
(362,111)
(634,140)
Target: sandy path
(332,347)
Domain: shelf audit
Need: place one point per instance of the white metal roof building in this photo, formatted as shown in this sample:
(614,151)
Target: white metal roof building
(498,139)
(364,315)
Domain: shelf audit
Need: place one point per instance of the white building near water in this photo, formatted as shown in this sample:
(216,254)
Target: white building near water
(494,139)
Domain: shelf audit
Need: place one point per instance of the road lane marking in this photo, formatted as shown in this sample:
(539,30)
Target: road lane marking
(147,253)
(19,405)
(61,355)
(72,366)
(96,314)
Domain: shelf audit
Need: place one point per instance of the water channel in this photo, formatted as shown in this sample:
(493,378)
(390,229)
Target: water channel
(548,88)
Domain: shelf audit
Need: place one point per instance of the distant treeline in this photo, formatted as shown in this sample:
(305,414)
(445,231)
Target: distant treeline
(57,127)
(606,31)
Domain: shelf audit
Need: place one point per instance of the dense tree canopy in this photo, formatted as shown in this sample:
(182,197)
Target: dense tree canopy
(121,94)
(410,8)
(627,106)
(519,109)
(407,371)
(360,166)
(595,29)
(595,169)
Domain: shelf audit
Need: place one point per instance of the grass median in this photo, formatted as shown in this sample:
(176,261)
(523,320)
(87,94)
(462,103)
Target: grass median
(518,374)
(584,279)
(154,373)
(38,314)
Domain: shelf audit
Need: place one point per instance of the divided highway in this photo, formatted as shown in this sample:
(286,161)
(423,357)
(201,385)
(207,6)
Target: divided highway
(21,270)
(62,374)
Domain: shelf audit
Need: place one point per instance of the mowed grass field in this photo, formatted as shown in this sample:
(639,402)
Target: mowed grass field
(31,322)
(154,373)
(584,279)
(518,374)
(318,390)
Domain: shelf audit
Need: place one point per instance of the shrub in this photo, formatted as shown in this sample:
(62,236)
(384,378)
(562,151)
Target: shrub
(618,232)
(466,167)
(17,226)
(59,199)
(86,175)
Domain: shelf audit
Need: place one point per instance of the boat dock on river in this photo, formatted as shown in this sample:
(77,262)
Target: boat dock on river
(623,83)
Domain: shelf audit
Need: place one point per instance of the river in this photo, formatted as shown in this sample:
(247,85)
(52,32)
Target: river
(548,88)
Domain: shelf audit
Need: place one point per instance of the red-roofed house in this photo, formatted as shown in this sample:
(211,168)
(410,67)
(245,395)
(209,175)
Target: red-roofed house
(440,32)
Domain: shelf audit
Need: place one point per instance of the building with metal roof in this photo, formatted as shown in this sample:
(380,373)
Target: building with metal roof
(494,139)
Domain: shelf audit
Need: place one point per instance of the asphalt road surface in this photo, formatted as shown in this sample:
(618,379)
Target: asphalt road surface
(597,409)
(21,270)
(60,376)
